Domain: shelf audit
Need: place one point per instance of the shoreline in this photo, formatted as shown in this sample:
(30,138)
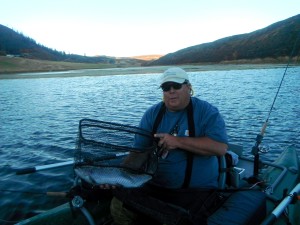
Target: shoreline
(133,70)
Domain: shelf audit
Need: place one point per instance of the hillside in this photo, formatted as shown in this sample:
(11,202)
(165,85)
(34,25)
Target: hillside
(147,57)
(16,44)
(273,42)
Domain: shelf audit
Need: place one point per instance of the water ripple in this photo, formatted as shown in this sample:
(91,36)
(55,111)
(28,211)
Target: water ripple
(39,120)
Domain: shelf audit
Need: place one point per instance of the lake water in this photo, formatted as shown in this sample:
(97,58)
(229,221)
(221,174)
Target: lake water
(39,121)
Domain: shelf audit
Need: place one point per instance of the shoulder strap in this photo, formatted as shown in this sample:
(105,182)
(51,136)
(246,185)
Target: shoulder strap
(190,156)
(159,117)
(190,112)
(191,126)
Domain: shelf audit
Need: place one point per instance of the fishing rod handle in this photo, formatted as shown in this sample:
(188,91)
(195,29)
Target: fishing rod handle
(56,194)
(263,129)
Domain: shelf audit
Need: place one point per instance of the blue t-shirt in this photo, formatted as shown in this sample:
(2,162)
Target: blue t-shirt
(208,123)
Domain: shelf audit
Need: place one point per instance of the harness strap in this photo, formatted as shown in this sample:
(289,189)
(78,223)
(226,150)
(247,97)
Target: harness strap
(159,117)
(190,156)
(191,126)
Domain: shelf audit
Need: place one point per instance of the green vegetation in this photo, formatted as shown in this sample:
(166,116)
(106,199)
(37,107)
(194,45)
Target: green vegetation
(19,64)
(271,44)
(14,43)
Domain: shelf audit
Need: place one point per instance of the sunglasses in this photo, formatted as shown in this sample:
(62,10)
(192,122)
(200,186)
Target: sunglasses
(168,85)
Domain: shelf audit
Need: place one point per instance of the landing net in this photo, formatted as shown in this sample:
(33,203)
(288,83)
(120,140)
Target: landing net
(115,154)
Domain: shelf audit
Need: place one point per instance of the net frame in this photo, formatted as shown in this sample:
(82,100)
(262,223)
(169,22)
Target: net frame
(98,151)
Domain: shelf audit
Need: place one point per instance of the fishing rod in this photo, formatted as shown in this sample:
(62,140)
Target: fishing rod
(259,137)
(67,163)
(48,193)
(44,167)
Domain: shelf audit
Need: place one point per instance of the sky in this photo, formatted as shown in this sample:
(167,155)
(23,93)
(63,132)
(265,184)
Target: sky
(125,28)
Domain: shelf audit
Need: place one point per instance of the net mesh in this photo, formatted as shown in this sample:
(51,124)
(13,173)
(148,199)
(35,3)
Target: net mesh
(112,153)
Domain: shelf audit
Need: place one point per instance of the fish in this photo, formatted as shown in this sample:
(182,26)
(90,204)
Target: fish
(112,176)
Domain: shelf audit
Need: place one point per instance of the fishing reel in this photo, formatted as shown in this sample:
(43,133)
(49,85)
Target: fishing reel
(84,198)
(264,148)
(256,149)
(77,201)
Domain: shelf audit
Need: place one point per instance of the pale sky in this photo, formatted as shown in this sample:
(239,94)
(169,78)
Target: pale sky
(124,28)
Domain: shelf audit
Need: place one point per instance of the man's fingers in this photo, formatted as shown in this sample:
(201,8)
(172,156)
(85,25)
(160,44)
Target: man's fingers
(159,135)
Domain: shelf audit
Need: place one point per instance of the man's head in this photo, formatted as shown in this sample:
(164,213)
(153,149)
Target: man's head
(174,74)
(176,88)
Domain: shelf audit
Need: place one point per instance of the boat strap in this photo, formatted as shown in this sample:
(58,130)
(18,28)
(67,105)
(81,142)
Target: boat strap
(191,126)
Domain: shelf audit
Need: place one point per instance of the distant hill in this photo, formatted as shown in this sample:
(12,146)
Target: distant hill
(274,41)
(147,57)
(16,44)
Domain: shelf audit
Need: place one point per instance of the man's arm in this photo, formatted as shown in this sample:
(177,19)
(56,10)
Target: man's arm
(197,145)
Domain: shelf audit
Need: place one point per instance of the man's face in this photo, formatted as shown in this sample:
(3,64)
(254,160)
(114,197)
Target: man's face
(176,96)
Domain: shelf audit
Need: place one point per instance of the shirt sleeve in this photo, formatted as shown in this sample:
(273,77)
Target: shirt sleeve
(215,127)
(210,122)
(146,123)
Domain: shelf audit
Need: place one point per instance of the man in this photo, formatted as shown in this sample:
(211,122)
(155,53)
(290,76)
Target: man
(188,149)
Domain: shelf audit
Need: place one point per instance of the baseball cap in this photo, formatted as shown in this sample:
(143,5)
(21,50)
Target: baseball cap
(174,74)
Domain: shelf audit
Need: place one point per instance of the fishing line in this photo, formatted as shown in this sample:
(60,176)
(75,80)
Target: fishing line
(259,137)
(284,74)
